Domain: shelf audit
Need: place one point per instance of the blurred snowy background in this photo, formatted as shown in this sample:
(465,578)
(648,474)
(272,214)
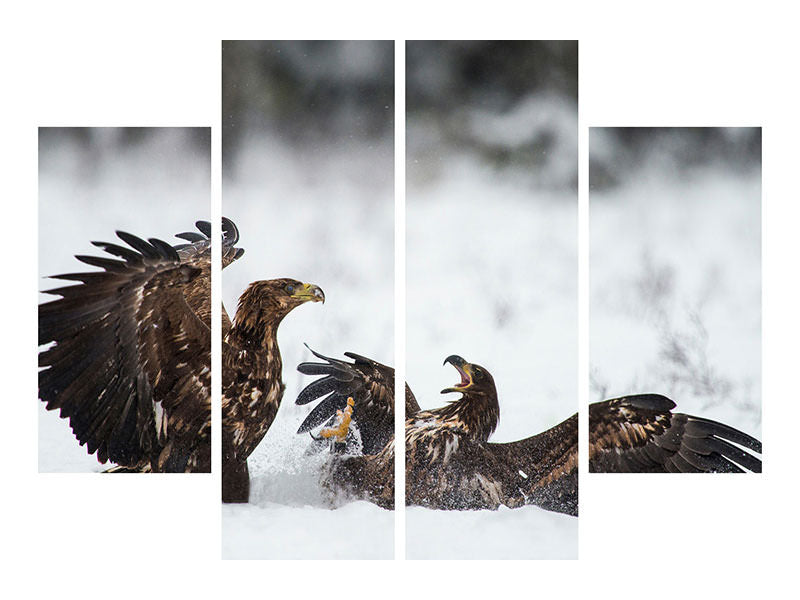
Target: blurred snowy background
(675,271)
(152,182)
(492,157)
(308,163)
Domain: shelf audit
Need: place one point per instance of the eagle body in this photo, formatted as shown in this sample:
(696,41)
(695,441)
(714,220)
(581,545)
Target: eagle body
(448,469)
(440,471)
(450,464)
(252,374)
(252,393)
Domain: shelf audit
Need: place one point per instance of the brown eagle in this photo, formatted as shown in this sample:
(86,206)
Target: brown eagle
(130,366)
(450,464)
(129,356)
(252,386)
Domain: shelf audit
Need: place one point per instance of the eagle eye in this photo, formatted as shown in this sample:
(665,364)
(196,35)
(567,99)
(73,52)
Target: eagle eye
(289,289)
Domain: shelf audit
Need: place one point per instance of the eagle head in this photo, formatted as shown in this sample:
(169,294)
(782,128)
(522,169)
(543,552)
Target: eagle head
(271,300)
(474,378)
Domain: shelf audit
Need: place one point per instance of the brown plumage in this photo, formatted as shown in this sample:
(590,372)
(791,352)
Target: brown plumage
(368,382)
(252,386)
(450,464)
(130,361)
(130,366)
(641,434)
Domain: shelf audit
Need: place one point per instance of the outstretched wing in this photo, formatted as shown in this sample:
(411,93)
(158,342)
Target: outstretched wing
(472,474)
(197,253)
(640,434)
(369,383)
(129,364)
(200,245)
(541,469)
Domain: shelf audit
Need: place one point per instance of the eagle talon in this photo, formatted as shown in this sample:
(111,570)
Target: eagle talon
(338,432)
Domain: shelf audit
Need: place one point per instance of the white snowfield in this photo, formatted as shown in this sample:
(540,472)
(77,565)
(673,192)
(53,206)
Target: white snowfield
(675,304)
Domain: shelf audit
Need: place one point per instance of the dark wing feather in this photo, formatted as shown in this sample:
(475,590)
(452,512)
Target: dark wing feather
(128,255)
(541,469)
(200,245)
(198,254)
(640,434)
(129,364)
(371,386)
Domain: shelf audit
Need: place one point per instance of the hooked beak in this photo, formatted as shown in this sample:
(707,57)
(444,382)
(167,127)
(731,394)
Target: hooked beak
(309,292)
(464,369)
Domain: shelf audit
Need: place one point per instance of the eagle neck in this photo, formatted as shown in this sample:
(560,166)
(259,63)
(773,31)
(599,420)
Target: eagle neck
(257,333)
(477,413)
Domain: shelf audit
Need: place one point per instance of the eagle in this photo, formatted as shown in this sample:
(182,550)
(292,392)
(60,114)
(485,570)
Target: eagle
(451,464)
(128,352)
(128,357)
(252,386)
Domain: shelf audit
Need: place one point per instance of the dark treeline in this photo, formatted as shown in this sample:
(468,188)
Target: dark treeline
(617,152)
(505,104)
(91,149)
(100,139)
(306,91)
(445,75)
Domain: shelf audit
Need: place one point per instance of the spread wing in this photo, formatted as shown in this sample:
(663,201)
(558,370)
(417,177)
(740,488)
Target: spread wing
(369,383)
(640,434)
(541,469)
(458,472)
(198,254)
(129,364)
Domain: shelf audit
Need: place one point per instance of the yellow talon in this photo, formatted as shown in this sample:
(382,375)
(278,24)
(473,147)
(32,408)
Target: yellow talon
(339,431)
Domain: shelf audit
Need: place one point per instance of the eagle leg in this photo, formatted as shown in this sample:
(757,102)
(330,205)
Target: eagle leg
(235,481)
(338,432)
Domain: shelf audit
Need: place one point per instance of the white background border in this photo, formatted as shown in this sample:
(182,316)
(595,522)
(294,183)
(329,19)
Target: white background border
(157,63)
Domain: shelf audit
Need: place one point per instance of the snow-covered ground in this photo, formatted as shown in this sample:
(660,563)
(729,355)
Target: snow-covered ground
(676,287)
(492,277)
(273,530)
(526,533)
(155,189)
(323,215)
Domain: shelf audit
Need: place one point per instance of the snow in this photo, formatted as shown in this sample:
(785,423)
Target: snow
(59,451)
(675,304)
(154,189)
(516,534)
(358,530)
